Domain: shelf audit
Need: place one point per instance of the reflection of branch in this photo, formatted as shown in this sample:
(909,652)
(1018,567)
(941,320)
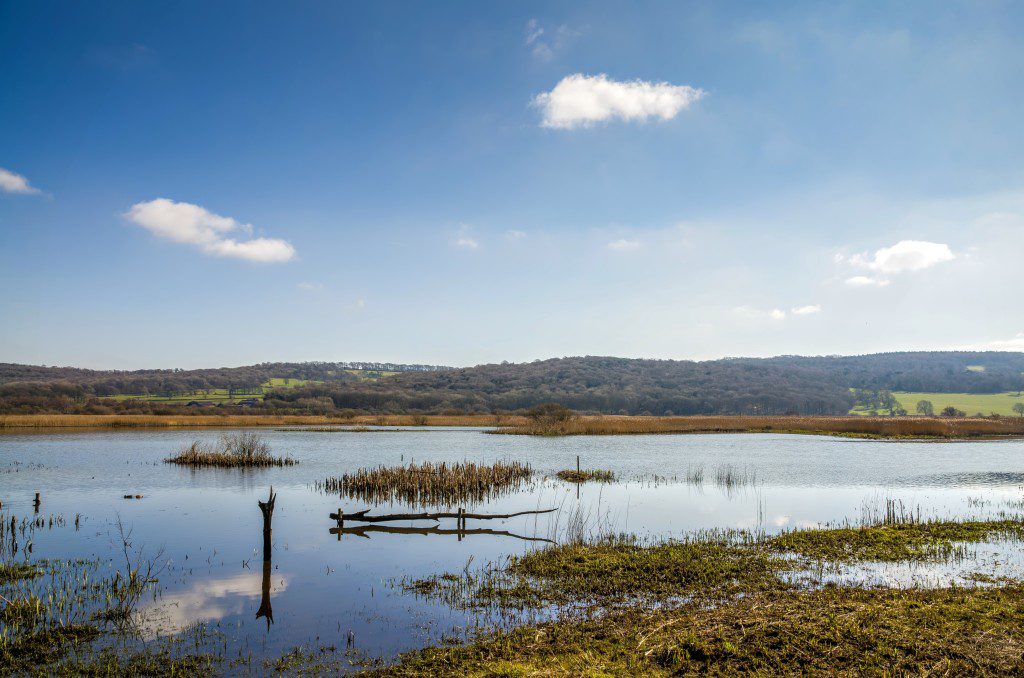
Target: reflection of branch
(266,610)
(364,530)
(360,516)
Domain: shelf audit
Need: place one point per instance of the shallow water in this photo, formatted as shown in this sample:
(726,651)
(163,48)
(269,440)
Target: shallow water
(328,591)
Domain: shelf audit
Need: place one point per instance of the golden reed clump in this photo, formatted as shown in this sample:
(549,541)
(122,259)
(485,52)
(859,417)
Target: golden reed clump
(239,450)
(430,483)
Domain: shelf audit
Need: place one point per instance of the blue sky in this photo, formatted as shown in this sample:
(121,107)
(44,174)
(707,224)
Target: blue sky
(198,184)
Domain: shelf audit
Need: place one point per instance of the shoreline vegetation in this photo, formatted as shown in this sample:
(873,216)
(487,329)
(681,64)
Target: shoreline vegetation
(847,426)
(722,604)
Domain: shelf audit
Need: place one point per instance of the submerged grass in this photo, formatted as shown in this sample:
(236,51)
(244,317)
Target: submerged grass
(585,475)
(850,426)
(930,540)
(236,450)
(430,483)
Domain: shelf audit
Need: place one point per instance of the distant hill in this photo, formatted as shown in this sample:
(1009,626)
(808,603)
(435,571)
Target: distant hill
(105,383)
(804,385)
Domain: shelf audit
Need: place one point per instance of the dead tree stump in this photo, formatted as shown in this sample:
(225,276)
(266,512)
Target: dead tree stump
(267,507)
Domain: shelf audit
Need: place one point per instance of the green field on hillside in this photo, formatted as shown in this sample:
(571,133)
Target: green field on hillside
(970,403)
(223,395)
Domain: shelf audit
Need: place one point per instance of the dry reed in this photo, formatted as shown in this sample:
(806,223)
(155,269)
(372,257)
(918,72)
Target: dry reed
(881,427)
(238,450)
(574,476)
(430,483)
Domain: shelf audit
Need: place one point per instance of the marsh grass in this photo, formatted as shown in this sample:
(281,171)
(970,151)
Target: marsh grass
(849,426)
(586,475)
(828,631)
(245,450)
(430,483)
(932,541)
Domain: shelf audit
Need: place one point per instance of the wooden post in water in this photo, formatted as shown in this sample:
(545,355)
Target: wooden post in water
(267,508)
(577,464)
(36,503)
(341,522)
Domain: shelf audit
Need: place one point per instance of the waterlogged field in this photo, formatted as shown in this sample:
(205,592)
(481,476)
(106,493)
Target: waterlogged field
(363,592)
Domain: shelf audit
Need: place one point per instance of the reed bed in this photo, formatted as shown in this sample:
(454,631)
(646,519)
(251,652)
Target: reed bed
(867,427)
(430,484)
(16,421)
(577,476)
(242,450)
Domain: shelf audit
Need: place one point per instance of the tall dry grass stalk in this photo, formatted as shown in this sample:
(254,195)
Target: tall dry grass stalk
(429,483)
(245,450)
(886,427)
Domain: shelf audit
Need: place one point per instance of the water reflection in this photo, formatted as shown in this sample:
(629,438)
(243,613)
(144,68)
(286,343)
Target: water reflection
(366,530)
(211,600)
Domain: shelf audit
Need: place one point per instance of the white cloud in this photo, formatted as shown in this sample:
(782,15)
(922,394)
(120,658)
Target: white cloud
(751,312)
(623,245)
(190,224)
(1015,344)
(15,183)
(582,100)
(865,281)
(515,235)
(906,255)
(467,243)
(310,286)
(806,310)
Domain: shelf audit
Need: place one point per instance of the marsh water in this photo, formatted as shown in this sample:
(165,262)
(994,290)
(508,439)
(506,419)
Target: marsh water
(344,592)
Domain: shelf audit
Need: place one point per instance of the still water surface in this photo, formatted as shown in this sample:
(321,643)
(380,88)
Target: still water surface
(327,591)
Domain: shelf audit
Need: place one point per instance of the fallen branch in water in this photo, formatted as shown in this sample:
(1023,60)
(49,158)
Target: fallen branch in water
(365,530)
(360,516)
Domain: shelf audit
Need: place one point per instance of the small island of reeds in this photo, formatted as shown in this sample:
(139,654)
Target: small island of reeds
(586,475)
(241,450)
(430,483)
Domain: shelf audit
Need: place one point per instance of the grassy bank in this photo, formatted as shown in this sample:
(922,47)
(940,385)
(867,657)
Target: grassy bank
(853,426)
(829,631)
(720,607)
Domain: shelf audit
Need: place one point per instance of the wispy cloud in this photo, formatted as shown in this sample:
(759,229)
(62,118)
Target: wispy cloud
(810,309)
(544,42)
(1014,344)
(623,245)
(190,224)
(15,183)
(467,243)
(865,281)
(515,235)
(306,286)
(582,100)
(751,312)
